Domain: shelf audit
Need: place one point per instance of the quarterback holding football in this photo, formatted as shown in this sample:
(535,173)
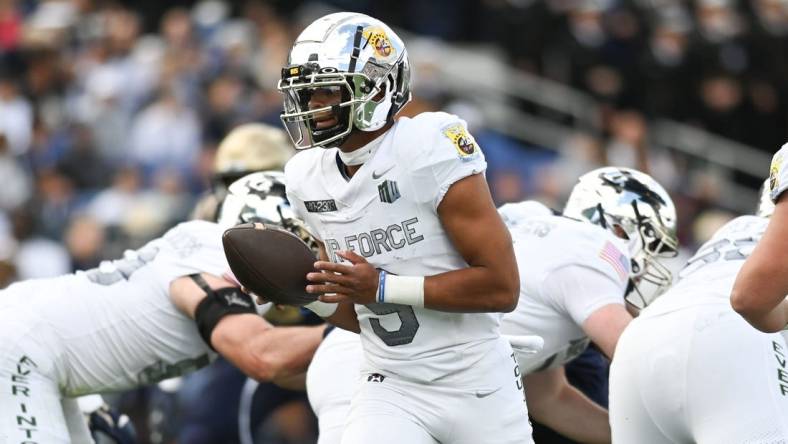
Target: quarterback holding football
(399,208)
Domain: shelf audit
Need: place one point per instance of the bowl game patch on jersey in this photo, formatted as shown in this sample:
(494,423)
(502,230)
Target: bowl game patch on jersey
(463,142)
(774,174)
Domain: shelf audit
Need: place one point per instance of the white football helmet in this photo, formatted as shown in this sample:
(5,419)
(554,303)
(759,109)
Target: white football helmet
(352,55)
(765,203)
(631,205)
(260,197)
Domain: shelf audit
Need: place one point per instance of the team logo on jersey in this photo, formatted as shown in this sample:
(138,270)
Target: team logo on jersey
(463,142)
(380,42)
(388,191)
(774,172)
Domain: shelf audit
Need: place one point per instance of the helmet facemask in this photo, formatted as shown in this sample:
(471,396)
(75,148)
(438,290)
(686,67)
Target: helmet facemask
(361,104)
(634,207)
(648,244)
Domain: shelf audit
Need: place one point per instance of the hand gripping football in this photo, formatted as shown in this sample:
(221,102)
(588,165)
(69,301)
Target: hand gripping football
(270,262)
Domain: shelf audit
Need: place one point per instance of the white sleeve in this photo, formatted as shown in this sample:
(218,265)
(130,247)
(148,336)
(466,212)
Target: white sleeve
(452,154)
(579,291)
(513,214)
(778,173)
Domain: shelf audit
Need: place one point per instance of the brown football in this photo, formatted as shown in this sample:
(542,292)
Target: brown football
(270,261)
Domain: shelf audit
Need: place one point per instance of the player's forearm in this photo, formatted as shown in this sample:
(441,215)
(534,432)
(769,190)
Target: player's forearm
(263,352)
(759,296)
(763,318)
(573,415)
(292,382)
(471,290)
(762,283)
(345,318)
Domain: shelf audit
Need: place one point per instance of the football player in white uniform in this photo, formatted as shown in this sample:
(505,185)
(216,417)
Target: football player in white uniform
(615,227)
(759,293)
(428,263)
(119,326)
(675,378)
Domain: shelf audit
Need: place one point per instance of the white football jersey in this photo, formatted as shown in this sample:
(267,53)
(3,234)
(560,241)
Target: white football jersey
(713,269)
(778,173)
(568,270)
(387,212)
(115,327)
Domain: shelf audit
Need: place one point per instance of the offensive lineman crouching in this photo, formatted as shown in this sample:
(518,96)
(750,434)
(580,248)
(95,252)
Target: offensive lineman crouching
(119,326)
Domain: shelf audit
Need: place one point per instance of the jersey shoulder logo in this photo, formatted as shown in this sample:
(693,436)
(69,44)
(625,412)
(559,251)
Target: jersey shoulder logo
(463,142)
(774,172)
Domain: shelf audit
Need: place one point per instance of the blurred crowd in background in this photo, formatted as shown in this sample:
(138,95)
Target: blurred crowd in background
(111,111)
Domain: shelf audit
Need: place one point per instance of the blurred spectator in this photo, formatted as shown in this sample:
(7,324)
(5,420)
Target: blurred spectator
(10,26)
(16,188)
(83,163)
(84,240)
(165,135)
(36,256)
(111,207)
(16,116)
(54,203)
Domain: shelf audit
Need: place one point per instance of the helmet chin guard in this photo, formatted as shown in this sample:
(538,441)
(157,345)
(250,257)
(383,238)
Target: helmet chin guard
(360,63)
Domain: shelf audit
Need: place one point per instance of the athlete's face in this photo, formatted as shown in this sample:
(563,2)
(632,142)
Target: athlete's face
(322,98)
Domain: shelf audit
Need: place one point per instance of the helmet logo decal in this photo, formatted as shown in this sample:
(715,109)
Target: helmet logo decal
(625,182)
(260,187)
(463,142)
(380,42)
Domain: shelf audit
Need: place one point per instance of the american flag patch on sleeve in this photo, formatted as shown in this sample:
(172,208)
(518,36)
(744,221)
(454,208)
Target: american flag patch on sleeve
(616,259)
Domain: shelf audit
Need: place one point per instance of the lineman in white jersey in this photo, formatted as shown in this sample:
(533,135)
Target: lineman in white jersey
(690,370)
(429,259)
(119,326)
(760,288)
(573,291)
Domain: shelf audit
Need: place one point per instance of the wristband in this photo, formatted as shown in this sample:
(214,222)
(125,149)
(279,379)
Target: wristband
(404,290)
(322,309)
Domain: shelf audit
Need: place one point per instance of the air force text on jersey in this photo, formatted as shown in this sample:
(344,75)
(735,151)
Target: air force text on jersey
(393,237)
